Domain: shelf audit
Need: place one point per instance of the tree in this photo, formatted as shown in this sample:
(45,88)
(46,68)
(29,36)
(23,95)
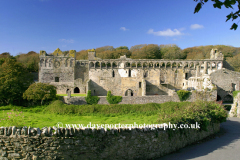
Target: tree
(83,54)
(122,47)
(150,51)
(219,4)
(5,55)
(40,92)
(171,51)
(29,60)
(234,62)
(14,80)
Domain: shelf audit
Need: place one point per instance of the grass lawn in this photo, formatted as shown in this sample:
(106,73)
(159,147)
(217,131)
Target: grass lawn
(152,113)
(73,95)
(38,117)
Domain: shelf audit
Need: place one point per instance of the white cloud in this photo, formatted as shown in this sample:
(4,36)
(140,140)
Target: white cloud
(124,28)
(66,40)
(196,26)
(167,32)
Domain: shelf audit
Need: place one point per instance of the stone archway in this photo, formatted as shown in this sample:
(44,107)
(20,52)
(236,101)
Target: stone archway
(228,99)
(129,93)
(76,90)
(219,98)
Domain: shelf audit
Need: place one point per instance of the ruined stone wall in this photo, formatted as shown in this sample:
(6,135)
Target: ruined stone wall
(81,76)
(205,96)
(226,81)
(235,109)
(124,75)
(158,82)
(58,71)
(95,144)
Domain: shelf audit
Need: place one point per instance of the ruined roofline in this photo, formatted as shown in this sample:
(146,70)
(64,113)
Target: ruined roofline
(129,59)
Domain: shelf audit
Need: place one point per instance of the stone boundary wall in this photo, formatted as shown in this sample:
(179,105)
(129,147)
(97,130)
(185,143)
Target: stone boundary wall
(207,96)
(235,109)
(95,144)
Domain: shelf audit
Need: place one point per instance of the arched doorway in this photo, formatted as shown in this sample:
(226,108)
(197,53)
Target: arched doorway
(228,99)
(76,90)
(219,98)
(129,92)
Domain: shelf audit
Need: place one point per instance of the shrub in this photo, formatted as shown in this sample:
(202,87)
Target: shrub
(202,112)
(183,95)
(40,92)
(91,99)
(235,93)
(113,99)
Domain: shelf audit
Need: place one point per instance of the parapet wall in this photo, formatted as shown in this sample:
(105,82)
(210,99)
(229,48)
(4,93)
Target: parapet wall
(205,96)
(93,144)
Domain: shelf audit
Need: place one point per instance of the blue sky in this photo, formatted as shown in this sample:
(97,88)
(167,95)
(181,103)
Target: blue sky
(34,25)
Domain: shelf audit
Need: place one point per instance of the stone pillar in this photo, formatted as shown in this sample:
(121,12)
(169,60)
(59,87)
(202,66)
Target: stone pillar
(143,87)
(69,94)
(88,86)
(197,71)
(129,93)
(205,68)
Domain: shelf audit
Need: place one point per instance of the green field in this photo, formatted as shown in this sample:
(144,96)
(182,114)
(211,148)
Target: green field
(152,113)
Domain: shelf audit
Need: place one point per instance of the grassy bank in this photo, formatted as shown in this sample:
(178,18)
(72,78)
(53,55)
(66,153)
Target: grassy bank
(174,112)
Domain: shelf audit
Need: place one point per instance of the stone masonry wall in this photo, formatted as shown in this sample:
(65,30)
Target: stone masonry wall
(208,96)
(235,109)
(95,144)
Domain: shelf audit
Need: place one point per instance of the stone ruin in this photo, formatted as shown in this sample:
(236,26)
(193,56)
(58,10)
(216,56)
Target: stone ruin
(136,77)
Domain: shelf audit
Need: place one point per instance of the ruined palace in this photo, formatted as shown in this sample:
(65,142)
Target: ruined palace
(136,77)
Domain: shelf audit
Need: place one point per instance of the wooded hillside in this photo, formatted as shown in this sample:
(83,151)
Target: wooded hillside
(142,51)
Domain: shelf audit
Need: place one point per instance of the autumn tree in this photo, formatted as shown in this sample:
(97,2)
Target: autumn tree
(234,62)
(29,60)
(171,51)
(150,51)
(104,48)
(137,47)
(122,47)
(219,4)
(83,54)
(14,80)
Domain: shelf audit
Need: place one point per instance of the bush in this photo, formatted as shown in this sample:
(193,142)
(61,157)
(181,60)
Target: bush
(235,93)
(183,95)
(202,112)
(91,99)
(113,99)
(40,92)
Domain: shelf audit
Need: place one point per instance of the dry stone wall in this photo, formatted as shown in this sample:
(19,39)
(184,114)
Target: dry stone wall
(94,144)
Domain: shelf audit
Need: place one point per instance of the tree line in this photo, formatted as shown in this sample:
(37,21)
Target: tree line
(30,60)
